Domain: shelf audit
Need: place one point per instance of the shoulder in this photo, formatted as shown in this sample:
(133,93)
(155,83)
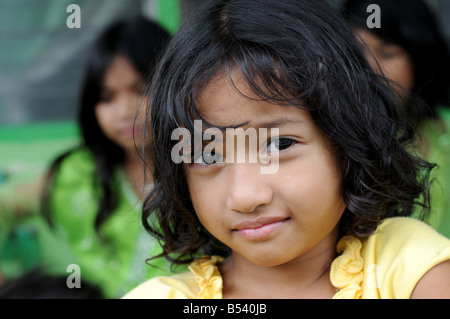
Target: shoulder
(403,250)
(406,233)
(79,160)
(180,286)
(409,238)
(75,170)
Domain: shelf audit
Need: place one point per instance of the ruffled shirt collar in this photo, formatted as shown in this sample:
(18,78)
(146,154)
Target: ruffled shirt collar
(208,277)
(346,273)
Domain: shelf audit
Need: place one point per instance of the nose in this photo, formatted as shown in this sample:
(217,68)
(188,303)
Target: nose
(127,105)
(248,188)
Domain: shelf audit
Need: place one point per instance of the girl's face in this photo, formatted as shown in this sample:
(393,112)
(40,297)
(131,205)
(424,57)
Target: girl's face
(269,219)
(393,60)
(120,96)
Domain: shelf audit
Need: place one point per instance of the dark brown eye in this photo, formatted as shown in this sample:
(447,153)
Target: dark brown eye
(279,144)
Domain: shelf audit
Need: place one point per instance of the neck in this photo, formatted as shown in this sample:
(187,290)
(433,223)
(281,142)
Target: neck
(304,277)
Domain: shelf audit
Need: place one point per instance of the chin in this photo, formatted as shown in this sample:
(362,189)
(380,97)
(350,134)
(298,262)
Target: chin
(264,259)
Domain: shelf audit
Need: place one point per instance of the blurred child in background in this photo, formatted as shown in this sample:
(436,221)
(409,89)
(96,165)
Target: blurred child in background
(93,193)
(410,50)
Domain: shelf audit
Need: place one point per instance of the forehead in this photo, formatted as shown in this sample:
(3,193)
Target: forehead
(120,73)
(228,100)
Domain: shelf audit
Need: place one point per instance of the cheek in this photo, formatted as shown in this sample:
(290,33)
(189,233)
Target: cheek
(201,199)
(400,71)
(318,198)
(373,63)
(207,199)
(106,119)
(405,75)
(316,190)
(103,118)
(141,108)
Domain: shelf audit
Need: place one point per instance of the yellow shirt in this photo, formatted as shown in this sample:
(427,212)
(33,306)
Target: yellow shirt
(387,265)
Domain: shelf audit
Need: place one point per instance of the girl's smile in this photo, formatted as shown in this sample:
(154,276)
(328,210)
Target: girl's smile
(275,218)
(260,229)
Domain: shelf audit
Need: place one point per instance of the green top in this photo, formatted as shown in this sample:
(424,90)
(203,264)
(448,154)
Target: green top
(115,258)
(437,138)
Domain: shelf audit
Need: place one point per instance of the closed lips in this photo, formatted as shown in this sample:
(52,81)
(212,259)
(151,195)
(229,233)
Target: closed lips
(260,229)
(258,223)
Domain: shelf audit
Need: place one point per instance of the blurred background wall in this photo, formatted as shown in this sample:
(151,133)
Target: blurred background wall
(41,65)
(41,59)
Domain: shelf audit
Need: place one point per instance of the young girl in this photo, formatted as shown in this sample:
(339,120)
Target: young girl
(332,221)
(94,193)
(411,51)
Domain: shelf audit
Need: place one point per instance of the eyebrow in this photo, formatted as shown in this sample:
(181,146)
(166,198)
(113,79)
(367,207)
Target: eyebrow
(270,124)
(279,123)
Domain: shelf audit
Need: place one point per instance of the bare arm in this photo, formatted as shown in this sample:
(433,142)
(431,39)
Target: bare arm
(435,284)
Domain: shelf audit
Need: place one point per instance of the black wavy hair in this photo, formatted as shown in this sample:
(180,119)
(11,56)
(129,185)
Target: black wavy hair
(139,40)
(296,52)
(412,25)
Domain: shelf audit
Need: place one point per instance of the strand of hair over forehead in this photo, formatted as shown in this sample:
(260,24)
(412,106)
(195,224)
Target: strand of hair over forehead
(275,72)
